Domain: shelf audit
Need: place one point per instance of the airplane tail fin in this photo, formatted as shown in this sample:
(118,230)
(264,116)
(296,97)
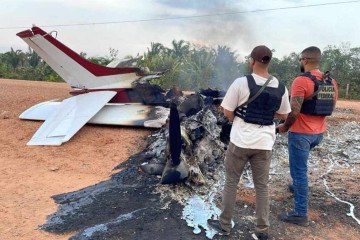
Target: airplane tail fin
(74,69)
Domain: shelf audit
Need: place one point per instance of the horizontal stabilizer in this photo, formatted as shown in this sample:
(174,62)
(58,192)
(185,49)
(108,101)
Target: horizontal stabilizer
(72,114)
(133,114)
(41,111)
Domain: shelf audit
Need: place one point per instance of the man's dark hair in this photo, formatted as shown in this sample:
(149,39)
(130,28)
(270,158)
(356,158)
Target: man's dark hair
(312,53)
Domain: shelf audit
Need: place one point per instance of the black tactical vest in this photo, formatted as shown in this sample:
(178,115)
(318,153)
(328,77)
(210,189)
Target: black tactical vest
(262,109)
(322,102)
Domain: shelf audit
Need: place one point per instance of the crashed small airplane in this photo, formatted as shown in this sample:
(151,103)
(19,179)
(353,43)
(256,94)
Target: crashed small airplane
(115,95)
(121,95)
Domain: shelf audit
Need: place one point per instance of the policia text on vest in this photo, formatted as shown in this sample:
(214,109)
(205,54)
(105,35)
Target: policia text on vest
(326,92)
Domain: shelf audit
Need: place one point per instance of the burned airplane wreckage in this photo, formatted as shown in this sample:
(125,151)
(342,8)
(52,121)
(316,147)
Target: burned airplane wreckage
(193,140)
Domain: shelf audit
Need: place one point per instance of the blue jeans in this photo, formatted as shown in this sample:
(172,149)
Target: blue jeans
(299,145)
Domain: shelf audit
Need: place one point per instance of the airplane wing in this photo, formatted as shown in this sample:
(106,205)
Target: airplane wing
(72,114)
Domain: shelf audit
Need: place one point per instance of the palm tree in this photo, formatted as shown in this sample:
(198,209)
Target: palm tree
(14,58)
(155,49)
(180,48)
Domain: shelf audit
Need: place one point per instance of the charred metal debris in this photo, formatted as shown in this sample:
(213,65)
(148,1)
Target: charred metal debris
(189,148)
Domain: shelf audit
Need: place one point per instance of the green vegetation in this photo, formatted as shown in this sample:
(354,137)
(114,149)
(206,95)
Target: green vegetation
(191,67)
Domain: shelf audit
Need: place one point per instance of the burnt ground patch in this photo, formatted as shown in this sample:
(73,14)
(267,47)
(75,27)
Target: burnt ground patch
(124,207)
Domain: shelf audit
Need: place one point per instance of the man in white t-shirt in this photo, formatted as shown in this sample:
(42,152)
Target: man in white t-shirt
(251,107)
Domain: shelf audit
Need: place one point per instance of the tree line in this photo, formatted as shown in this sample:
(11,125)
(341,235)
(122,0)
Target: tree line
(192,67)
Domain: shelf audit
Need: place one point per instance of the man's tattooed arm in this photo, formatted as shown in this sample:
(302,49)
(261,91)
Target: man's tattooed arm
(295,103)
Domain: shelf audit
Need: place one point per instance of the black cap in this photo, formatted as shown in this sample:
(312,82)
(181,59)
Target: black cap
(261,54)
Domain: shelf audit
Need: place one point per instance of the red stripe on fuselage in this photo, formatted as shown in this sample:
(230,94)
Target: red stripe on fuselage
(123,95)
(95,69)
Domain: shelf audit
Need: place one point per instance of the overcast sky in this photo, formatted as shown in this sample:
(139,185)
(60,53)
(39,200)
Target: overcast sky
(285,30)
